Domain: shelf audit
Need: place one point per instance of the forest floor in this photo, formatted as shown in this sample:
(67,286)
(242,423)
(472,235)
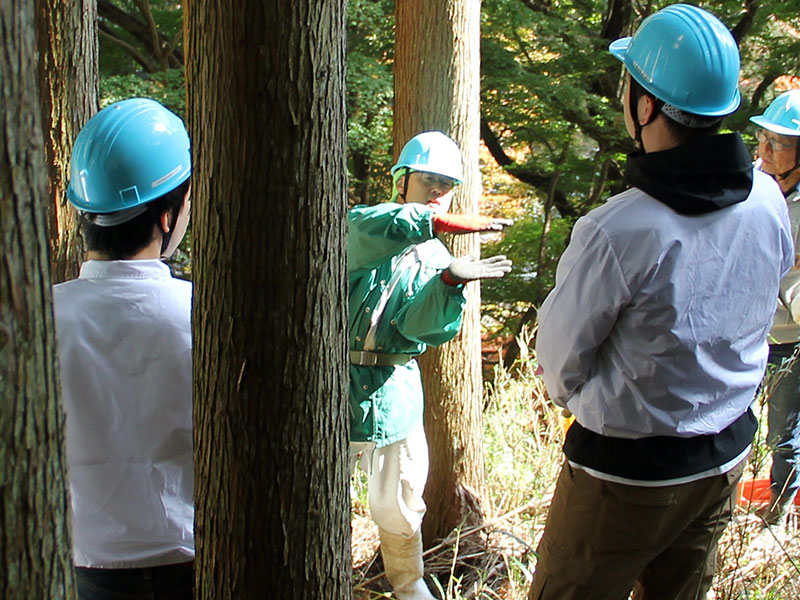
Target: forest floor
(523,437)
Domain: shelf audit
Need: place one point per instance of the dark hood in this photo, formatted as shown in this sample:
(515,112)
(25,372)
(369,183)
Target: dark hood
(695,178)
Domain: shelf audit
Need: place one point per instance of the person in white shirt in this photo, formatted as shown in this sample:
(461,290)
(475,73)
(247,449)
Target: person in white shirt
(654,336)
(124,340)
(779,155)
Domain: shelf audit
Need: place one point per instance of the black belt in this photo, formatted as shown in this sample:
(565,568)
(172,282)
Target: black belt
(378,359)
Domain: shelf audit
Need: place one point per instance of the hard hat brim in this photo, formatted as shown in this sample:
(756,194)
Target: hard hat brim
(762,121)
(619,48)
(420,168)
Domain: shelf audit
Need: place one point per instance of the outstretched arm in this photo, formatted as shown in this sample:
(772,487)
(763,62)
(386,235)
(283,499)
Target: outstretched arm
(458,224)
(377,232)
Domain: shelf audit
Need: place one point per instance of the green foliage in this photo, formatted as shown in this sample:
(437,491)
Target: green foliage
(771,49)
(529,282)
(165,86)
(114,58)
(370,47)
(549,89)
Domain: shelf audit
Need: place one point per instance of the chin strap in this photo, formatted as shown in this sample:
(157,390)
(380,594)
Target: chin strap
(635,93)
(796,162)
(405,183)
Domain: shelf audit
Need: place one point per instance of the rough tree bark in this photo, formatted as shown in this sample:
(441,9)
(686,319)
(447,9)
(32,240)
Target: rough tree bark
(267,119)
(437,87)
(67,41)
(35,560)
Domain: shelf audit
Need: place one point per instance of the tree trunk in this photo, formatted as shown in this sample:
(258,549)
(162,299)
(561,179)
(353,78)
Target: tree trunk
(67,41)
(541,259)
(35,559)
(437,87)
(267,120)
(361,175)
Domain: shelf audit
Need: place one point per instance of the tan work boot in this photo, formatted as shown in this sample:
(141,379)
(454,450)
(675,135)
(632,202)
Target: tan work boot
(402,560)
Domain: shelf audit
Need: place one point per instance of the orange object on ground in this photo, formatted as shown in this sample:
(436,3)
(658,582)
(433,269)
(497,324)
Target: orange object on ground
(756,492)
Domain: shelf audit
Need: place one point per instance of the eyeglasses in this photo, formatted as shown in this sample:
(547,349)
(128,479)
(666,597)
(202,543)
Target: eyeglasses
(774,143)
(430,180)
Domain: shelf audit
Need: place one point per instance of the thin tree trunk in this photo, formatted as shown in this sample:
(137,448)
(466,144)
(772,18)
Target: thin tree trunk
(437,87)
(35,559)
(267,120)
(67,41)
(548,220)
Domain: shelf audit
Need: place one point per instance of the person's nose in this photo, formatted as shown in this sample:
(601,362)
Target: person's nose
(437,190)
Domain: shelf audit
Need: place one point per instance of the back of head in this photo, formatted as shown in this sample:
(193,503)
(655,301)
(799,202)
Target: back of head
(687,59)
(126,161)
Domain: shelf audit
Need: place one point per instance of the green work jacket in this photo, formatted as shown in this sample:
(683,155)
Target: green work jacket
(398,305)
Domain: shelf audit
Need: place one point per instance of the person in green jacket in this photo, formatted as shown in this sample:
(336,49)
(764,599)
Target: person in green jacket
(406,293)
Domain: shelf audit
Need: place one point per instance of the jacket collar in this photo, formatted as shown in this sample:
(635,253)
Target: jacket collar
(701,176)
(124,269)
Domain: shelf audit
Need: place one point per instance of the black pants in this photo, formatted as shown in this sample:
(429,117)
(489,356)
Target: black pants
(167,582)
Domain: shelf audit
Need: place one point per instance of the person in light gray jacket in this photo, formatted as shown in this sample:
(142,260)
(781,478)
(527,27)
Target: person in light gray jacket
(779,155)
(654,336)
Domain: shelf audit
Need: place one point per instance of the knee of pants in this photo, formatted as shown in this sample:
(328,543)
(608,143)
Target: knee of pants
(400,513)
(397,480)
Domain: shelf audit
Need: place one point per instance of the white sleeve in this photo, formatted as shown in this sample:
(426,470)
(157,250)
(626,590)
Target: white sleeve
(580,311)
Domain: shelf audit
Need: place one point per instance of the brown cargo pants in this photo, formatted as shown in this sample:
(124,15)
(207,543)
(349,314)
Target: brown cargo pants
(603,538)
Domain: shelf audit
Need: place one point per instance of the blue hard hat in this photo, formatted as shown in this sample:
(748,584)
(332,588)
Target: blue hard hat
(686,57)
(782,115)
(433,152)
(129,153)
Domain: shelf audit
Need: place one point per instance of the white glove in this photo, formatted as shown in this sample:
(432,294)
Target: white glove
(470,268)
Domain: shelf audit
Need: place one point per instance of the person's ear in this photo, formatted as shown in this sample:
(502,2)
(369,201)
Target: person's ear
(646,109)
(400,183)
(165,221)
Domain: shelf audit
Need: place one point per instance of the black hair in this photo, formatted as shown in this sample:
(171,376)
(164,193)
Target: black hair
(122,241)
(681,132)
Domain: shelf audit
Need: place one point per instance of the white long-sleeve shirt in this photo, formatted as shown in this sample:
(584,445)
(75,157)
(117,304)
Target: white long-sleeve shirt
(124,338)
(657,324)
(785,329)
